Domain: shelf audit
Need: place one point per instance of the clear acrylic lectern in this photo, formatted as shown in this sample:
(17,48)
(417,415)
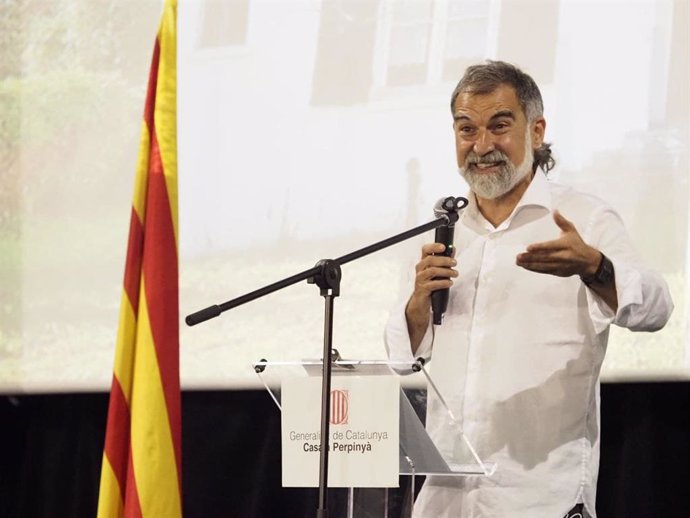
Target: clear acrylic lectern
(419,455)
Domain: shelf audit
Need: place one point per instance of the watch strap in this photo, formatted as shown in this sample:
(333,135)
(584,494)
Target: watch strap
(603,275)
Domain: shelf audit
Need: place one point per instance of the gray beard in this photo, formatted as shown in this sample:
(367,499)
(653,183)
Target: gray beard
(495,185)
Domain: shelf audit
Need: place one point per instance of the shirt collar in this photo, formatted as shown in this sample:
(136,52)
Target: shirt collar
(536,195)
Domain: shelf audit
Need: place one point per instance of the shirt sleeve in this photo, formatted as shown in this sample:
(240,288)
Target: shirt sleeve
(644,302)
(397,338)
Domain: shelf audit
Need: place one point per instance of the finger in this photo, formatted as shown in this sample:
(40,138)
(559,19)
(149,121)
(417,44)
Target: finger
(439,261)
(559,264)
(426,286)
(436,272)
(555,245)
(549,268)
(535,262)
(564,224)
(438,284)
(557,258)
(432,248)
(433,279)
(536,268)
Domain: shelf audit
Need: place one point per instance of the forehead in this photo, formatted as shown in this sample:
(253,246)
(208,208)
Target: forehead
(484,106)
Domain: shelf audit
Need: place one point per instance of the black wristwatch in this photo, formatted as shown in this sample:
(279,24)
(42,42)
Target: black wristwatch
(603,275)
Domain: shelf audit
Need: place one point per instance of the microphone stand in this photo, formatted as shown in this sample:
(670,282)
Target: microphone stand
(326,274)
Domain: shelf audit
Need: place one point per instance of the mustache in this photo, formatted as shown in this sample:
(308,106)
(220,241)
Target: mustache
(494,156)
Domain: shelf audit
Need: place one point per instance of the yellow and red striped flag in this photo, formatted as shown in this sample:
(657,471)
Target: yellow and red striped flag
(141,470)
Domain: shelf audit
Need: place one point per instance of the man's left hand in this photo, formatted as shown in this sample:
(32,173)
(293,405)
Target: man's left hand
(568,255)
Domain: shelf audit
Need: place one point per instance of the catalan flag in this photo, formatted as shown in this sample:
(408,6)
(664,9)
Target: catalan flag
(141,470)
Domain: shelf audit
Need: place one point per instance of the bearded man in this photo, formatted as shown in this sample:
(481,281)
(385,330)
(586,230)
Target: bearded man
(540,274)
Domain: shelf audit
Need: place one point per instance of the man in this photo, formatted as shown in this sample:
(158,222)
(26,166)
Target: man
(540,274)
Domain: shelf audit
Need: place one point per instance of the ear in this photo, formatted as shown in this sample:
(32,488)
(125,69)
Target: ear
(538,130)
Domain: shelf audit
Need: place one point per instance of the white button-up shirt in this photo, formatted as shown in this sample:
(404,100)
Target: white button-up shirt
(518,358)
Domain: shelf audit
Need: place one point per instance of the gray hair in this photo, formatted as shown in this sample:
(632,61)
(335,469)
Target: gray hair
(485,78)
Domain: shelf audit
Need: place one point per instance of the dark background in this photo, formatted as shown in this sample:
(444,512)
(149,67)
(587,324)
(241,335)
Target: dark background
(51,447)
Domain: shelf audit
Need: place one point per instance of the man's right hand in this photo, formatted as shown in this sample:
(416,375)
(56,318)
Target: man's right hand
(433,272)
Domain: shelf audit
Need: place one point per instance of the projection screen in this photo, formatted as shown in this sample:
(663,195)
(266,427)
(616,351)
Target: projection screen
(308,129)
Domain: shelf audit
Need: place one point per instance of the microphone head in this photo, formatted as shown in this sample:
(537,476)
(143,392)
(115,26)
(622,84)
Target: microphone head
(449,204)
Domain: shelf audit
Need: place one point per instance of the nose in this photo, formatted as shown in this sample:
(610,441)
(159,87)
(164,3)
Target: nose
(484,143)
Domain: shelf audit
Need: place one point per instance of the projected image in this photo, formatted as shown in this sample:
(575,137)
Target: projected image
(306,130)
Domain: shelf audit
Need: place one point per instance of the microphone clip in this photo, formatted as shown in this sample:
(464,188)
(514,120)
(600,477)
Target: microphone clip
(449,207)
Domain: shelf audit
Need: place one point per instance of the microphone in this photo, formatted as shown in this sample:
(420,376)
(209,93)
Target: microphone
(446,208)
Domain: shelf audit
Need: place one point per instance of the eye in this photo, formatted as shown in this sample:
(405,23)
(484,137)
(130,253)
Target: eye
(466,129)
(501,127)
